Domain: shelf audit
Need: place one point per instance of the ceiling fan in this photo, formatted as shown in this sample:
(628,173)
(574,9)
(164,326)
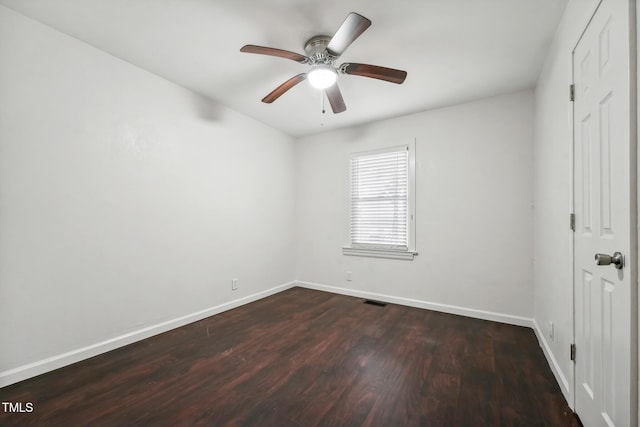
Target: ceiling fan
(322,52)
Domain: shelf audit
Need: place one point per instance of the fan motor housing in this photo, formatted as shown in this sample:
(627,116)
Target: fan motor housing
(316,49)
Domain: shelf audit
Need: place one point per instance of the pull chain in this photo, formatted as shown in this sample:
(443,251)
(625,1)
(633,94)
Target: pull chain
(322,108)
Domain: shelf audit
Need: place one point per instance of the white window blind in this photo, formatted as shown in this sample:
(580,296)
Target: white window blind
(379,199)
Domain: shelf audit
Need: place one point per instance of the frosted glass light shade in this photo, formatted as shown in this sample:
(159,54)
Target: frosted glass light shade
(322,77)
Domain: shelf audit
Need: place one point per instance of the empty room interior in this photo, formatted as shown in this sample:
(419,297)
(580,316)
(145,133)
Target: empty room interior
(301,213)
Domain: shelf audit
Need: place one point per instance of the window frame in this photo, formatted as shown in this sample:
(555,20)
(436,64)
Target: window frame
(382,252)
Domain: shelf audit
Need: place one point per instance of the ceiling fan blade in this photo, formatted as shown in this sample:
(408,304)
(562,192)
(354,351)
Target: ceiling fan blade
(375,72)
(271,51)
(280,90)
(335,99)
(350,30)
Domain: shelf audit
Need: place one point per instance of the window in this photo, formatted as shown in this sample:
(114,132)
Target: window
(381,203)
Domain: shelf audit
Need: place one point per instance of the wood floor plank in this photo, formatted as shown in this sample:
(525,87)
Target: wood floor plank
(307,358)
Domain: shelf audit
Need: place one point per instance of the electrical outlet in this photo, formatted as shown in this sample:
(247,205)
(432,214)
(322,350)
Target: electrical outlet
(348,276)
(551,331)
(234,284)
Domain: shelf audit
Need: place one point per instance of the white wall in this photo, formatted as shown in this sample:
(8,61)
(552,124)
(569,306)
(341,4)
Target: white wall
(474,209)
(125,200)
(552,194)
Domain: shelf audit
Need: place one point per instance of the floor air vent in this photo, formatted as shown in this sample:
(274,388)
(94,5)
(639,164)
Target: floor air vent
(376,303)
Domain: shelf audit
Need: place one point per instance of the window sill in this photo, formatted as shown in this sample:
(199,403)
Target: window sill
(379,253)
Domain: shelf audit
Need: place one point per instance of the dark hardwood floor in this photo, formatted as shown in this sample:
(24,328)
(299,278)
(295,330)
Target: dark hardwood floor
(307,358)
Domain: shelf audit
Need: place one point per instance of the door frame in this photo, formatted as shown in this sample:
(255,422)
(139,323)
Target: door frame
(634,166)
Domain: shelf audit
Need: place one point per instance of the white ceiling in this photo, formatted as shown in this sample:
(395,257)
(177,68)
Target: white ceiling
(453,50)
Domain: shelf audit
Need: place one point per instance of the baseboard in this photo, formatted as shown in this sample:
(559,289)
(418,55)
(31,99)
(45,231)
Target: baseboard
(445,308)
(553,364)
(40,367)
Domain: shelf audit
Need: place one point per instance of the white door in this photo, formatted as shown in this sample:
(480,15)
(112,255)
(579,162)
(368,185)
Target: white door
(604,220)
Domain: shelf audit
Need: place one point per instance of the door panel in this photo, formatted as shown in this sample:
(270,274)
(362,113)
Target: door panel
(602,203)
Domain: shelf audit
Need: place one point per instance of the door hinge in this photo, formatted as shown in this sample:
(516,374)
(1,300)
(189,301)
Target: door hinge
(572,221)
(573,352)
(572,93)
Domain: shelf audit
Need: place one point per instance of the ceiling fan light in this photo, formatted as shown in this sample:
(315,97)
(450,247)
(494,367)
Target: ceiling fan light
(322,77)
